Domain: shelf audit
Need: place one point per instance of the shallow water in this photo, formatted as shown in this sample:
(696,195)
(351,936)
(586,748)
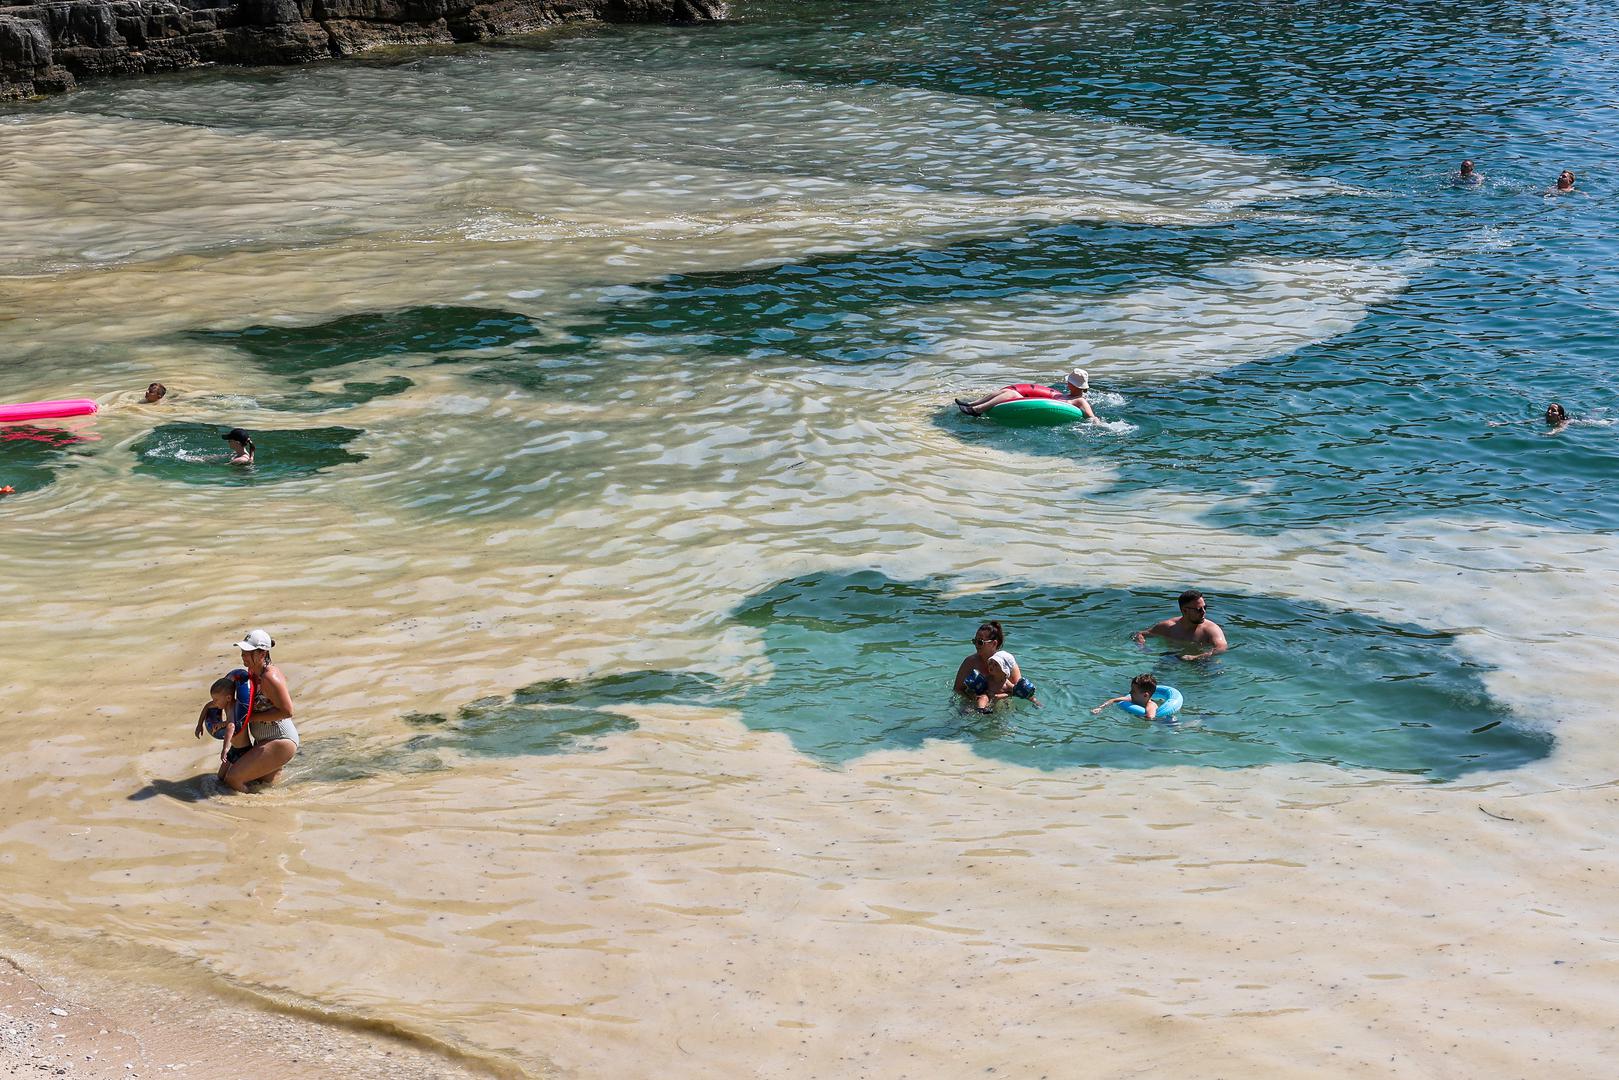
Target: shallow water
(196,454)
(620,541)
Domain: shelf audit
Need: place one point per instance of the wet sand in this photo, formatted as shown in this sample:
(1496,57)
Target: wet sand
(928,914)
(60,1018)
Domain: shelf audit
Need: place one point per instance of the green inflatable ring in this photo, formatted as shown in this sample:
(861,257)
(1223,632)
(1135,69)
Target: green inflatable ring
(1035,412)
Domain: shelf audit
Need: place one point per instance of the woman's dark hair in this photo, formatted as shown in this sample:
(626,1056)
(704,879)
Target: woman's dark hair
(991,629)
(1555,413)
(236,434)
(1144,681)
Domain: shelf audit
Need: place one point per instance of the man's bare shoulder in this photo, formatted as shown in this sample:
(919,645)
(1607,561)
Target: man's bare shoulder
(1175,628)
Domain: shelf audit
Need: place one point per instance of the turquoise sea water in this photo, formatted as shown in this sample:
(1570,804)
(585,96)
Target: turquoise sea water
(197,454)
(33,452)
(1425,401)
(856,663)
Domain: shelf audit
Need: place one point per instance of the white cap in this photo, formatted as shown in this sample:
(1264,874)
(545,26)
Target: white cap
(1080,380)
(255,641)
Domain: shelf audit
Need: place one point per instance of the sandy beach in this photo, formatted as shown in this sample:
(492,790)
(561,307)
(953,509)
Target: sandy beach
(58,1018)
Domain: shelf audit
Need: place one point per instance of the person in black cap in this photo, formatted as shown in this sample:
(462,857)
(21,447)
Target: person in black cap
(241,446)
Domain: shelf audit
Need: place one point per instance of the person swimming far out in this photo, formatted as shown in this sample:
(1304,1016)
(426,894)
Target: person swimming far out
(990,673)
(1075,388)
(241,446)
(154,393)
(1564,185)
(1556,418)
(1467,175)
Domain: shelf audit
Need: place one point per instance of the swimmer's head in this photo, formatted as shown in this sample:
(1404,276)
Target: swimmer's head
(1079,380)
(240,441)
(1467,167)
(1142,687)
(155,393)
(1193,606)
(1556,414)
(1565,180)
(989,634)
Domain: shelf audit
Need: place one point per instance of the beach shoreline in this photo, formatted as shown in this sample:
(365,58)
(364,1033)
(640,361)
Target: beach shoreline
(61,1018)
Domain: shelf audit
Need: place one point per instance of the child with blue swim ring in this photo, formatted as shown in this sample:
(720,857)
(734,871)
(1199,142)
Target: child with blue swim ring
(230,701)
(1146,698)
(991,673)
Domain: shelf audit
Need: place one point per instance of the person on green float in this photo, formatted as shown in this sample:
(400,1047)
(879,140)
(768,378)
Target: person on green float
(1075,387)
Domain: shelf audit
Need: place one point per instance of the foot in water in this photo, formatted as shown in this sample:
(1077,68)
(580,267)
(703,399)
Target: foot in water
(966,408)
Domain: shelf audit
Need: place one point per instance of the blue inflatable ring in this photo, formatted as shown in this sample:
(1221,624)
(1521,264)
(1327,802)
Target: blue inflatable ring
(1169,703)
(215,725)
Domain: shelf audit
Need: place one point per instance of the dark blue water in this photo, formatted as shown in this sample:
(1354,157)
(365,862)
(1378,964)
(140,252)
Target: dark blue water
(1512,294)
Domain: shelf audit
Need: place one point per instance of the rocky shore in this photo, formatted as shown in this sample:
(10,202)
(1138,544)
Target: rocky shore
(46,47)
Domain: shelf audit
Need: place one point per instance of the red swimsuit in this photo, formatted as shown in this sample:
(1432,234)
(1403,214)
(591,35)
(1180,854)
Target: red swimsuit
(1029,390)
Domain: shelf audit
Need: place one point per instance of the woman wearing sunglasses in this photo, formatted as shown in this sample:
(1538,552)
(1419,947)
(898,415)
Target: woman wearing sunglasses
(991,673)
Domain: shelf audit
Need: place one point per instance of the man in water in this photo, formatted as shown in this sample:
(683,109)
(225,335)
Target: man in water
(154,393)
(1565,183)
(1467,176)
(1193,625)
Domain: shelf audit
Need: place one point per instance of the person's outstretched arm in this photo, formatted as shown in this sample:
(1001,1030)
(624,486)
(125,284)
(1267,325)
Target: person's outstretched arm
(1110,701)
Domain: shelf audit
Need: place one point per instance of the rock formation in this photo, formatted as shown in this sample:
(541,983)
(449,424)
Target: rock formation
(45,47)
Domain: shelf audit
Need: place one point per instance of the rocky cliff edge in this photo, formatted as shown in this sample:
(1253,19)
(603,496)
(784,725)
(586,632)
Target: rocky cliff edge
(46,47)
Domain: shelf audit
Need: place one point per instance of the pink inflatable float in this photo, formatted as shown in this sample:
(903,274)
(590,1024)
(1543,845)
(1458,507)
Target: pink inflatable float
(45,410)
